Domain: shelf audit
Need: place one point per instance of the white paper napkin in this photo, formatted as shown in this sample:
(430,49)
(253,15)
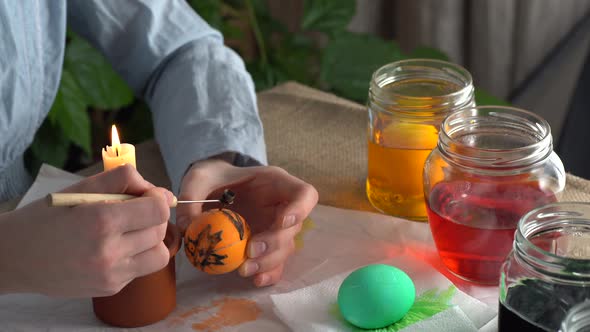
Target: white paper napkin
(314,308)
(334,243)
(49,180)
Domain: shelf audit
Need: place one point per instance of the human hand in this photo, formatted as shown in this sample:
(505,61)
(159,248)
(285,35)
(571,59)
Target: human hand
(90,249)
(273,202)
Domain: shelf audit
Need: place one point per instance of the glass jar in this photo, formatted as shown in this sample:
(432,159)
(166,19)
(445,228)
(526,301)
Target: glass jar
(407,102)
(577,318)
(492,165)
(545,279)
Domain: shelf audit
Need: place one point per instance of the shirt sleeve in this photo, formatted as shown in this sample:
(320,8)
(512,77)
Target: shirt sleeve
(201,96)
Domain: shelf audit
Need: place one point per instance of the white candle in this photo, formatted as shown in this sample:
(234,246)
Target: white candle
(117,154)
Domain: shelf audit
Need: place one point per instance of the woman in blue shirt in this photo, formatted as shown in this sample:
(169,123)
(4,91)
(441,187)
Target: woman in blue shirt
(206,123)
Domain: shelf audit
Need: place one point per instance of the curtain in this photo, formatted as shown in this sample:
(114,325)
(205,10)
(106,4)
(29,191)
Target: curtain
(500,41)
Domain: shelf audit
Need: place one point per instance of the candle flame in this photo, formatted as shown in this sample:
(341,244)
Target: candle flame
(115,143)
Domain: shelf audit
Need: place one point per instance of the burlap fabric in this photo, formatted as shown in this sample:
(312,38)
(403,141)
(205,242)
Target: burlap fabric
(318,137)
(577,190)
(322,139)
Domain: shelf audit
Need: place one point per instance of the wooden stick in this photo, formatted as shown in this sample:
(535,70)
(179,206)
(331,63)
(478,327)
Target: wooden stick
(72,199)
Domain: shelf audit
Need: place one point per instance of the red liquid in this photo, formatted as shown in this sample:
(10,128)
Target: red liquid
(473,223)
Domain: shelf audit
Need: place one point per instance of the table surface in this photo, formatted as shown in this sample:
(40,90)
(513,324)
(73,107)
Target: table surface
(315,136)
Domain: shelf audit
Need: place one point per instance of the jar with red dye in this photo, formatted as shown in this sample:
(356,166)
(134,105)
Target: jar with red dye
(491,166)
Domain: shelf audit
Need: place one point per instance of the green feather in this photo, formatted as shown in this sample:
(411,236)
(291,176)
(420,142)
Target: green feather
(428,304)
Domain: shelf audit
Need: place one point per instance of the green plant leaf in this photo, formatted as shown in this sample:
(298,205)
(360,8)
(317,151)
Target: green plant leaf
(68,112)
(350,59)
(258,76)
(270,27)
(292,59)
(138,124)
(483,98)
(329,16)
(265,76)
(209,10)
(102,86)
(231,32)
(49,146)
(428,53)
(260,7)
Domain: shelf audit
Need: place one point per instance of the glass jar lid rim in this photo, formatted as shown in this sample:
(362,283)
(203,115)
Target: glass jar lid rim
(453,115)
(467,85)
(577,318)
(526,236)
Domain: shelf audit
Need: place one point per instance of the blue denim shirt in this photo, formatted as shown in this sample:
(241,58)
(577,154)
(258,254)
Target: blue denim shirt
(202,98)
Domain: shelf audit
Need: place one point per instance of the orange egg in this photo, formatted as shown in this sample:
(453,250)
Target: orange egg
(215,241)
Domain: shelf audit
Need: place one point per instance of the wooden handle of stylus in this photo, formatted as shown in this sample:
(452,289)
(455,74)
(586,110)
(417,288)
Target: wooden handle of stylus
(72,199)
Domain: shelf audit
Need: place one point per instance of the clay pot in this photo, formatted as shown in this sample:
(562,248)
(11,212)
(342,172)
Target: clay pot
(145,300)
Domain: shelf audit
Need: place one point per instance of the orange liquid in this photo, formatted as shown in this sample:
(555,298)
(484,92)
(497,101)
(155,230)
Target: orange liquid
(399,147)
(396,162)
(394,182)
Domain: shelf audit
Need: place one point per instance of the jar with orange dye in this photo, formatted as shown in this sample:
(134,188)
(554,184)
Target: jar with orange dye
(407,102)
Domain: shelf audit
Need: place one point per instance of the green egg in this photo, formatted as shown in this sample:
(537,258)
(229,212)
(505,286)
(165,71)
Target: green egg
(376,296)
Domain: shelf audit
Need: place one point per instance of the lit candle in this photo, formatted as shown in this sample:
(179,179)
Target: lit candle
(117,154)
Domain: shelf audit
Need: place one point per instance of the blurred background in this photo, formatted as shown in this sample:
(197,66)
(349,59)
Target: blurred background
(533,54)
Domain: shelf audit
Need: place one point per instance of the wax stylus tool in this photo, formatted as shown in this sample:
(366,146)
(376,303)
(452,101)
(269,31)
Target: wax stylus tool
(227,198)
(73,199)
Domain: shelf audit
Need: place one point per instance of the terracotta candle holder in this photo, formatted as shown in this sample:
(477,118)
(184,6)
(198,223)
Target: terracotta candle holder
(145,300)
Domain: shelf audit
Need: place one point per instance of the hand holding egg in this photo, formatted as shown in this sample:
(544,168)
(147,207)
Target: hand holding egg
(273,202)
